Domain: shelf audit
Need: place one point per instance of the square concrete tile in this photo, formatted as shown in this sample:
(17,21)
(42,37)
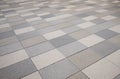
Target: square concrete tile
(18,70)
(58,17)
(98,21)
(78,75)
(91,40)
(63,40)
(101,10)
(115,40)
(54,34)
(41,25)
(7,34)
(33,19)
(43,14)
(71,29)
(95,29)
(27,35)
(106,34)
(62,69)
(34,75)
(71,48)
(8,40)
(2,30)
(24,30)
(20,25)
(85,58)
(109,17)
(115,29)
(114,58)
(14,19)
(50,31)
(33,41)
(105,48)
(89,18)
(39,49)
(36,22)
(79,34)
(12,58)
(117,77)
(86,25)
(10,48)
(81,15)
(102,26)
(47,58)
(116,14)
(102,69)
(47,16)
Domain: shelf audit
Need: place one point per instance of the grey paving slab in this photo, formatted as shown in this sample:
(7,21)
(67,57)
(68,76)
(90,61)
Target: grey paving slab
(59,70)
(47,16)
(5,29)
(22,25)
(32,41)
(106,34)
(82,15)
(48,29)
(7,34)
(117,77)
(115,40)
(71,48)
(14,19)
(8,40)
(71,29)
(79,34)
(36,22)
(98,21)
(85,58)
(39,49)
(105,48)
(102,26)
(27,35)
(18,70)
(95,29)
(78,75)
(3,21)
(10,48)
(42,24)
(60,41)
(116,14)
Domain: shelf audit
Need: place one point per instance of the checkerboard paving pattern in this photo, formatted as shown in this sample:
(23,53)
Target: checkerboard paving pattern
(59,39)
